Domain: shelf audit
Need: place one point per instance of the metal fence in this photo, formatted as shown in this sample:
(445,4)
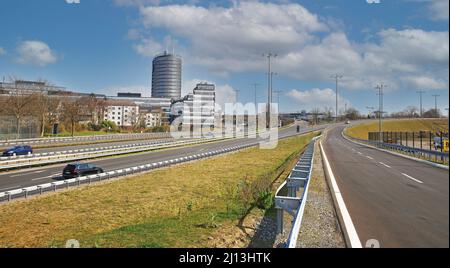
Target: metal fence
(28,128)
(422,139)
(292,194)
(438,156)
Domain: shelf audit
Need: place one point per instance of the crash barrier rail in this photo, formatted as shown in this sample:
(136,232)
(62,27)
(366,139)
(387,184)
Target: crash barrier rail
(6,143)
(92,149)
(431,155)
(39,161)
(75,182)
(51,158)
(292,194)
(23,161)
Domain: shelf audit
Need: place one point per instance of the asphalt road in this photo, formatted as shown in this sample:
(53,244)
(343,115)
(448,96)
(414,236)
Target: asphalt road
(397,201)
(35,176)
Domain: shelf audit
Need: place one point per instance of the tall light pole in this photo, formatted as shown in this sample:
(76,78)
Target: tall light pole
(420,92)
(278,95)
(380,88)
(269,56)
(237,95)
(435,105)
(337,77)
(255,85)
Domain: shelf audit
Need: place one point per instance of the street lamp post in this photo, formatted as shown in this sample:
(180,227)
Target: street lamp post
(337,77)
(435,105)
(269,56)
(420,92)
(380,88)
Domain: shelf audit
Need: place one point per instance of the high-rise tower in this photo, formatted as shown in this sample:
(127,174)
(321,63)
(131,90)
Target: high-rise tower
(166,76)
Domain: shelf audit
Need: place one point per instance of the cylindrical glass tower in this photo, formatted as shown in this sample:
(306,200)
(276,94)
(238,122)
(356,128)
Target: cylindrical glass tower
(166,76)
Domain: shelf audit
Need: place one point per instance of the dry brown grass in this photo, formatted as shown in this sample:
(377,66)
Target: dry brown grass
(361,131)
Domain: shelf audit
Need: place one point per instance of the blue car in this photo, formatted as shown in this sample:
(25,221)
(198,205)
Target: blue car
(18,150)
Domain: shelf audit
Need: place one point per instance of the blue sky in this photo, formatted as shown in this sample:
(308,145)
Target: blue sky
(107,46)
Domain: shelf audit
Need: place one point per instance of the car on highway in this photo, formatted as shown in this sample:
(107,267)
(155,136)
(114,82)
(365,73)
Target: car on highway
(80,169)
(18,150)
(347,122)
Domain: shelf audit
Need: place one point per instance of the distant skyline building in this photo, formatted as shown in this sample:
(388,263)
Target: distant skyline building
(197,108)
(166,76)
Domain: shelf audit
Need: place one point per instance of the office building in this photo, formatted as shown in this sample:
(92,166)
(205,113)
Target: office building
(166,76)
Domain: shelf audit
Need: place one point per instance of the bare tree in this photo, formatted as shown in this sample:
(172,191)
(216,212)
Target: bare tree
(71,112)
(411,111)
(329,112)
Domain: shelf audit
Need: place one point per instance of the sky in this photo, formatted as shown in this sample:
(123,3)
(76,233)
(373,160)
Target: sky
(107,46)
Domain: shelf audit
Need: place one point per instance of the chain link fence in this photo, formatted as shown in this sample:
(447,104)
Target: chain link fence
(27,129)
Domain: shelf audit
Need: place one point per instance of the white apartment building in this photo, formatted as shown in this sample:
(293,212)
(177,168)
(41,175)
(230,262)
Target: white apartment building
(153,119)
(123,113)
(198,108)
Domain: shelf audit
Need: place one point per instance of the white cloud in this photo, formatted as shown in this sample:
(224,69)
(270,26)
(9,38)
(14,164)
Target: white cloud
(148,47)
(35,53)
(232,40)
(2,51)
(439,9)
(316,98)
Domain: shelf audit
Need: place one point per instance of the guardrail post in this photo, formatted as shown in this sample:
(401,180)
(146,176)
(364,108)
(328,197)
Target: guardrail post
(280,213)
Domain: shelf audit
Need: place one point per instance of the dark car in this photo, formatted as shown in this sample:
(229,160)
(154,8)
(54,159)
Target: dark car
(18,150)
(79,170)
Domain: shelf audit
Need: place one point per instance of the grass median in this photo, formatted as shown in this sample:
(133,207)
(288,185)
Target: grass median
(174,207)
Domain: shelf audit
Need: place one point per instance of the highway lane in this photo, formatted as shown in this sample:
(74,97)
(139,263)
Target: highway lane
(35,176)
(397,201)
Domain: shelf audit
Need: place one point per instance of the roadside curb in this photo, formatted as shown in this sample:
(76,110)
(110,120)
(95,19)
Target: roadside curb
(350,234)
(394,153)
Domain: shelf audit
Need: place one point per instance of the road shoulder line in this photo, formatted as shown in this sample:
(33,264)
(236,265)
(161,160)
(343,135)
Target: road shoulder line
(350,234)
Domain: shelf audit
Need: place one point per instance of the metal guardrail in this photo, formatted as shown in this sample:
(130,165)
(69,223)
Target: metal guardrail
(6,143)
(76,182)
(52,159)
(64,184)
(292,194)
(415,152)
(92,149)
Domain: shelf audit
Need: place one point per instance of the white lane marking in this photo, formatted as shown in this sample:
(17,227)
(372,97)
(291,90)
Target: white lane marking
(411,178)
(24,174)
(369,157)
(10,188)
(46,177)
(385,165)
(352,235)
(359,153)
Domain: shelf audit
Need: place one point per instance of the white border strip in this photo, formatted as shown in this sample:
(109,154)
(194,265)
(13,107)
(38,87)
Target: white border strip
(350,233)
